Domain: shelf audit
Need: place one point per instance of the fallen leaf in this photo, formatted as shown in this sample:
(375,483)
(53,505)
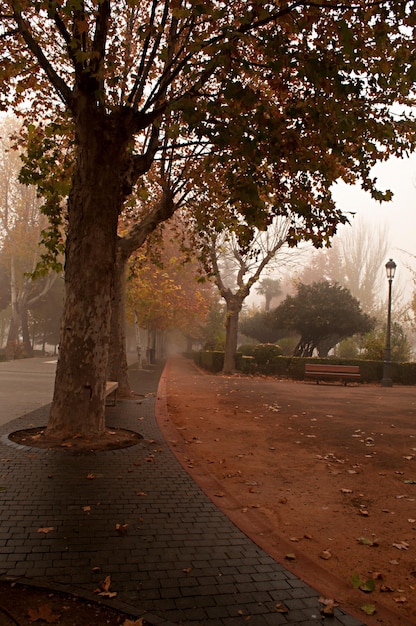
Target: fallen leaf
(43,613)
(346,490)
(400,599)
(329,606)
(364,541)
(121,529)
(187,570)
(104,588)
(326,554)
(86,508)
(280,608)
(46,529)
(290,557)
(141,493)
(368,586)
(386,588)
(369,609)
(90,476)
(402,545)
(137,622)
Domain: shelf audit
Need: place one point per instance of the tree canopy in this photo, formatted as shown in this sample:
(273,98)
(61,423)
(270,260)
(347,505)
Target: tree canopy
(298,93)
(322,314)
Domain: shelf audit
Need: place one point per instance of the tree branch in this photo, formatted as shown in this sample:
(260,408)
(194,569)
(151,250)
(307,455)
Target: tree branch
(60,86)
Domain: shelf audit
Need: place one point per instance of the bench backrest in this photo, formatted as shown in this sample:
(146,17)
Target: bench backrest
(339,369)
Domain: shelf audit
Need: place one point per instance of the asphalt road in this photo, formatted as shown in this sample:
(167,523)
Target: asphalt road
(25,385)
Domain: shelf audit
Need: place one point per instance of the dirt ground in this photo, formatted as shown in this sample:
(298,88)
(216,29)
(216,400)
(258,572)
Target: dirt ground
(323,477)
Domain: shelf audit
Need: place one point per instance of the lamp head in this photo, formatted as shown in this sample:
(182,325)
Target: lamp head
(390,269)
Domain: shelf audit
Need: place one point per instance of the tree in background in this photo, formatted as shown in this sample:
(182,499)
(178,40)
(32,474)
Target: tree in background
(236,266)
(269,288)
(322,314)
(259,326)
(306,87)
(164,293)
(45,315)
(374,344)
(355,261)
(21,224)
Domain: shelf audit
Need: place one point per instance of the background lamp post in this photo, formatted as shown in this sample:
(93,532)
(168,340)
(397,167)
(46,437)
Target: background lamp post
(387,380)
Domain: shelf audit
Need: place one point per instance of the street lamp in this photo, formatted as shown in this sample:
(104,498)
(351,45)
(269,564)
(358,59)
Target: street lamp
(386,380)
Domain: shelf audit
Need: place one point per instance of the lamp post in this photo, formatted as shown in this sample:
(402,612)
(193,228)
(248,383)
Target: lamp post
(387,380)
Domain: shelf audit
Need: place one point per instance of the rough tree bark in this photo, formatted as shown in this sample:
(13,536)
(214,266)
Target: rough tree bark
(95,201)
(234,306)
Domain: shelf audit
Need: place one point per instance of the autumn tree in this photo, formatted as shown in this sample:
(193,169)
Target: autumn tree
(322,314)
(301,86)
(20,225)
(164,292)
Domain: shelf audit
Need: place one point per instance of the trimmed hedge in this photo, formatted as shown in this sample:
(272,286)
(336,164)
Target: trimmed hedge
(263,361)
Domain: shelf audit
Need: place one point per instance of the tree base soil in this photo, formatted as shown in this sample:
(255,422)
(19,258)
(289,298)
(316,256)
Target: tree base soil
(111,439)
(323,477)
(25,605)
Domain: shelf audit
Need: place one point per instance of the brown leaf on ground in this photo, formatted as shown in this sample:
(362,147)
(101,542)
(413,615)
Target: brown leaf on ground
(400,599)
(46,529)
(328,606)
(104,588)
(43,613)
(325,555)
(121,529)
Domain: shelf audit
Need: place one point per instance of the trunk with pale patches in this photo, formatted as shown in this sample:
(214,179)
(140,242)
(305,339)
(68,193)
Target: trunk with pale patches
(95,201)
(234,305)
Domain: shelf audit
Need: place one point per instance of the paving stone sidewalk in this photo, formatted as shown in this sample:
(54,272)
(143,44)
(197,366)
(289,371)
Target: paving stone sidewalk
(180,561)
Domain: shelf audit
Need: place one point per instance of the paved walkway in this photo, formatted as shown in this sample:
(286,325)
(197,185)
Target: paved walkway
(180,561)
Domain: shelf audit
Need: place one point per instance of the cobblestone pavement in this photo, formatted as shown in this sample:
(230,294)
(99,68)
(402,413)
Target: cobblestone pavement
(179,561)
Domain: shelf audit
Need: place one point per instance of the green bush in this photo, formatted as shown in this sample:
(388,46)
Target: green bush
(265,355)
(265,361)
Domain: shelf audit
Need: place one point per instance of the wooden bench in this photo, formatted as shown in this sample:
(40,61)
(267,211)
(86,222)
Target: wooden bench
(321,371)
(111,389)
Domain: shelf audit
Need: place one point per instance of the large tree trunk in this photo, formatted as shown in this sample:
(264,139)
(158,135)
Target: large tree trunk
(118,366)
(231,335)
(95,201)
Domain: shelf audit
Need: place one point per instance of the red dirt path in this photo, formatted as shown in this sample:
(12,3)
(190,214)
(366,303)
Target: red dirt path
(323,477)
